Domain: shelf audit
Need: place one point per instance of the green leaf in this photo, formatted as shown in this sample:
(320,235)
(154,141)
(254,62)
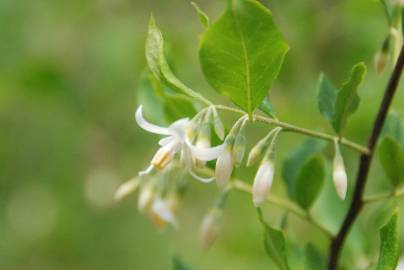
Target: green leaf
(314,259)
(394,127)
(153,104)
(296,159)
(275,246)
(347,98)
(242,52)
(178,106)
(203,18)
(327,96)
(160,106)
(310,181)
(158,65)
(389,245)
(178,264)
(267,108)
(392,159)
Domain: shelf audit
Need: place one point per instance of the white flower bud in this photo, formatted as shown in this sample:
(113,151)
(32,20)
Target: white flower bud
(239,149)
(224,167)
(380,61)
(126,189)
(145,198)
(210,228)
(339,175)
(263,182)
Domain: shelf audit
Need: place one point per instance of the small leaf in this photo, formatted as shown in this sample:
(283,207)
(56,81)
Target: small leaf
(267,108)
(151,101)
(327,95)
(242,52)
(347,98)
(178,106)
(275,246)
(314,259)
(310,181)
(158,65)
(296,159)
(203,18)
(392,159)
(389,245)
(178,264)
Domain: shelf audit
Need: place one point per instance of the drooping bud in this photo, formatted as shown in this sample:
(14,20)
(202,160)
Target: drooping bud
(127,188)
(145,197)
(224,163)
(263,182)
(210,227)
(217,124)
(339,175)
(203,140)
(239,147)
(381,57)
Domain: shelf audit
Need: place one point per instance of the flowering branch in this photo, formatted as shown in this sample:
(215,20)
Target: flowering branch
(364,165)
(289,127)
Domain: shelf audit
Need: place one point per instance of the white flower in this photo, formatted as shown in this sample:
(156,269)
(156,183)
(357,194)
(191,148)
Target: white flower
(339,175)
(162,212)
(145,198)
(176,141)
(263,182)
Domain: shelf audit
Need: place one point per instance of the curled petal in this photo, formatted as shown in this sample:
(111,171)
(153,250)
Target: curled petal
(149,126)
(206,154)
(166,140)
(178,127)
(200,178)
(263,182)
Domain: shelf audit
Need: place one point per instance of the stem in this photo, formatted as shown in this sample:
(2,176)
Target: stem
(287,205)
(364,166)
(382,196)
(296,129)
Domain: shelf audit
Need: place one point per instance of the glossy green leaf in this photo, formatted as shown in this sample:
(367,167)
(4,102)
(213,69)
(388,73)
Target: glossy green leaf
(314,260)
(296,159)
(178,264)
(310,181)
(392,159)
(153,104)
(203,18)
(178,106)
(242,52)
(267,108)
(347,101)
(327,95)
(389,245)
(158,65)
(275,247)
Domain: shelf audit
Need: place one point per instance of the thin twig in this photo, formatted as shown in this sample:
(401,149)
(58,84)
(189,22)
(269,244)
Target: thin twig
(364,166)
(289,127)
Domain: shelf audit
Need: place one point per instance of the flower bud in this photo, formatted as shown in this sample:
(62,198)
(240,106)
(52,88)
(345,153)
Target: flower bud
(145,198)
(210,228)
(224,166)
(126,189)
(263,182)
(239,148)
(380,61)
(339,175)
(203,141)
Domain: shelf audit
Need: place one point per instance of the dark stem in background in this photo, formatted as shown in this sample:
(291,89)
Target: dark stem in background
(337,242)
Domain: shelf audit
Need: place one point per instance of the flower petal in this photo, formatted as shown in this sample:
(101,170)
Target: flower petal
(149,126)
(166,140)
(202,179)
(206,154)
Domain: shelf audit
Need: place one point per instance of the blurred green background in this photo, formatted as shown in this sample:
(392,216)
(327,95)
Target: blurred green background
(68,78)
